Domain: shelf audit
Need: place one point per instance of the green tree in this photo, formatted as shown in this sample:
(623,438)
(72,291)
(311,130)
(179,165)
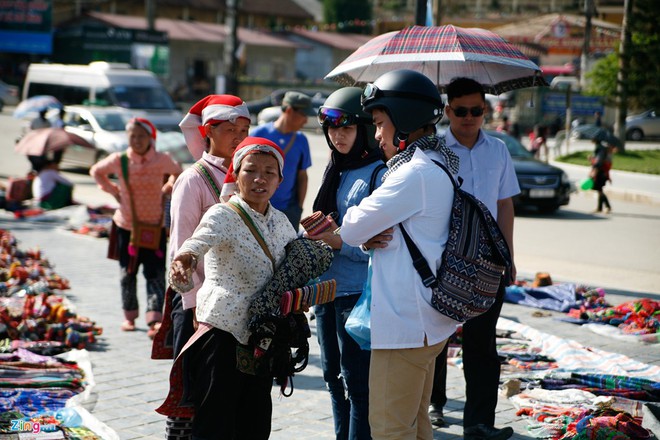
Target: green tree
(643,91)
(343,12)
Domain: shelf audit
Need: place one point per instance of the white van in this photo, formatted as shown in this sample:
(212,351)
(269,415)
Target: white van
(102,83)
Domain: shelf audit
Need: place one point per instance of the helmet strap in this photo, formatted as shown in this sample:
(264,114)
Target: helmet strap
(400,140)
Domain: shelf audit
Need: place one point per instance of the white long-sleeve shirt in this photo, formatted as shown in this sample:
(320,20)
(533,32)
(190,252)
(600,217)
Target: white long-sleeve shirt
(236,267)
(418,194)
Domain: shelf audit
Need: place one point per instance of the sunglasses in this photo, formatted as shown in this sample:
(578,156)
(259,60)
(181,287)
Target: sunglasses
(462,112)
(337,118)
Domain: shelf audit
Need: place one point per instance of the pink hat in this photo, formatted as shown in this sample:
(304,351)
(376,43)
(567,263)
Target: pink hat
(146,124)
(210,110)
(248,146)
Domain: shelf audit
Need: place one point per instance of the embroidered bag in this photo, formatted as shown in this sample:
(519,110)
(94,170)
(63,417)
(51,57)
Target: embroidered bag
(476,257)
(143,235)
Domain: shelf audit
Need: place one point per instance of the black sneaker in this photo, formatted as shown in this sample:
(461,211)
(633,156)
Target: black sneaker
(483,432)
(436,416)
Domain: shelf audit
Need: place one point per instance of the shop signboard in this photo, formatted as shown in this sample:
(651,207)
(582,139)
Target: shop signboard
(26,26)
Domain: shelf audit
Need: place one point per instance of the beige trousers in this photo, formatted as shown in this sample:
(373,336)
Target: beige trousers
(400,384)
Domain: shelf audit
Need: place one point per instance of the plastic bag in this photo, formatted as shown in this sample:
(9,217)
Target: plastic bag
(587,184)
(358,324)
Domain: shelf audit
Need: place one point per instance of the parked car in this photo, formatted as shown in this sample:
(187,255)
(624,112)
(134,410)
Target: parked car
(542,186)
(9,95)
(105,128)
(643,125)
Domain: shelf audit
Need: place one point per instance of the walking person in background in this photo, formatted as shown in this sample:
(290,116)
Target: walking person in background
(487,172)
(228,403)
(141,171)
(407,333)
(285,132)
(213,127)
(355,165)
(601,164)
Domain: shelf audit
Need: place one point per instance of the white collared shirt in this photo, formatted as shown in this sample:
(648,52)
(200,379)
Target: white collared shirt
(419,195)
(486,169)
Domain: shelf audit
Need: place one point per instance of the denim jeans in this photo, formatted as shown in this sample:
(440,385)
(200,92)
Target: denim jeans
(345,369)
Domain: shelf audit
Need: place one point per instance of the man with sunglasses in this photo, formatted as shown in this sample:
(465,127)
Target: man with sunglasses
(285,132)
(487,172)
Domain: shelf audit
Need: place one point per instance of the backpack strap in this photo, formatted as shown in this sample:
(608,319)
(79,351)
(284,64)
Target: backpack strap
(451,177)
(374,176)
(422,267)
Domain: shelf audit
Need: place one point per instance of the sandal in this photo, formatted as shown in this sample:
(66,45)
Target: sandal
(128,326)
(153,329)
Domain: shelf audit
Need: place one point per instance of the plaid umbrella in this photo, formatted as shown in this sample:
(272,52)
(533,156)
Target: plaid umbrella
(442,53)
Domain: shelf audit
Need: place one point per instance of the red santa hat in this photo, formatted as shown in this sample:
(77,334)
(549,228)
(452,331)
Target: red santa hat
(147,125)
(248,146)
(207,111)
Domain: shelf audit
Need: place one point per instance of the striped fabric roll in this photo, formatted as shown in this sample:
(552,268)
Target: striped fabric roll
(319,293)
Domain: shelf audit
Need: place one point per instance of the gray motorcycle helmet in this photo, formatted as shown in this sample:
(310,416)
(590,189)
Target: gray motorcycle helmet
(411,100)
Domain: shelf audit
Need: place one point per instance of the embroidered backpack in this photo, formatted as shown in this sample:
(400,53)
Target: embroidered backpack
(475,259)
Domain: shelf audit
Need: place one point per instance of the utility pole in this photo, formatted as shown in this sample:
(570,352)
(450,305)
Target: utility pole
(622,75)
(586,47)
(151,14)
(420,13)
(230,61)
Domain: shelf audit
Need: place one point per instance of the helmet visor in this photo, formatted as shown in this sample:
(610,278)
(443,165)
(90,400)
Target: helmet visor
(337,118)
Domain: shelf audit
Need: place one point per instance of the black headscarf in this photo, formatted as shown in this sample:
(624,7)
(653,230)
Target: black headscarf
(360,155)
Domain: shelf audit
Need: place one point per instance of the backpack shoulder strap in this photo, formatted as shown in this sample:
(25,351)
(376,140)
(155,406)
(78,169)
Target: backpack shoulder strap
(451,177)
(422,267)
(374,176)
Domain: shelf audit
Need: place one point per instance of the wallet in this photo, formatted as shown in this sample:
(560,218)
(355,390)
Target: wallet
(316,223)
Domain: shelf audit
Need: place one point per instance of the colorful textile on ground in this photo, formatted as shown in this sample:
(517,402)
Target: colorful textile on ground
(314,294)
(30,309)
(575,358)
(567,414)
(640,318)
(557,297)
(31,401)
(608,385)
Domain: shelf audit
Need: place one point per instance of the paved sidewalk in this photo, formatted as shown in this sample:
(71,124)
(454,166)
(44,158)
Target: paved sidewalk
(129,385)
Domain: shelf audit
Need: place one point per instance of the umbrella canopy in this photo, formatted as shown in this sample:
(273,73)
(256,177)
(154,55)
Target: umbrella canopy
(442,53)
(601,134)
(32,106)
(45,140)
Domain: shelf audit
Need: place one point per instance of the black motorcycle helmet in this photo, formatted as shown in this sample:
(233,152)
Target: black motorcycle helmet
(410,99)
(343,108)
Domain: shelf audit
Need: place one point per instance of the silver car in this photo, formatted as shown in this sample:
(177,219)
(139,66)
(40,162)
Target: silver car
(643,125)
(103,127)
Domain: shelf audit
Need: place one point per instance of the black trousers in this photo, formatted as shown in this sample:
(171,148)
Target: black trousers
(229,405)
(481,368)
(182,324)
